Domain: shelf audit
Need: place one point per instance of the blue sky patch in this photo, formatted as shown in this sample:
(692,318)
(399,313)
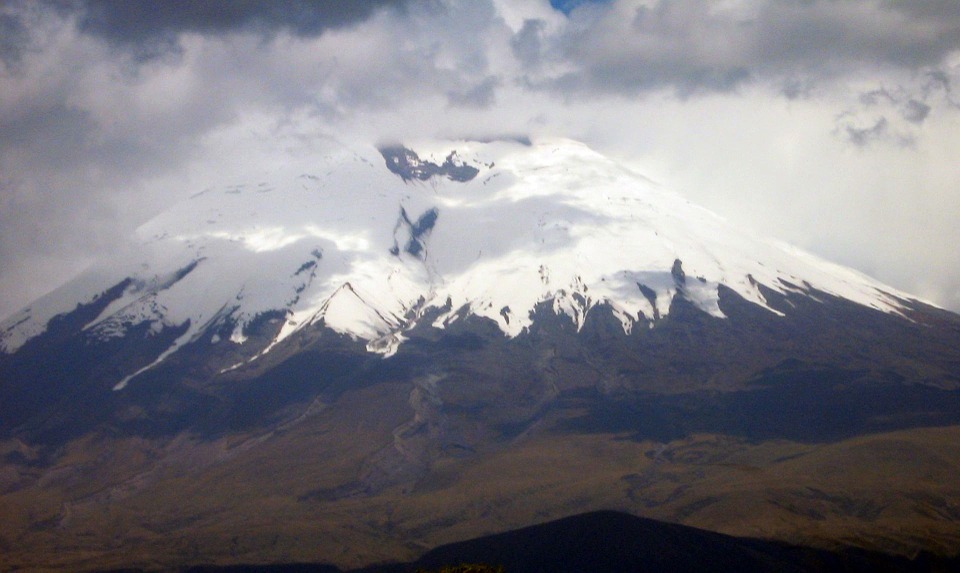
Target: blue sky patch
(567,6)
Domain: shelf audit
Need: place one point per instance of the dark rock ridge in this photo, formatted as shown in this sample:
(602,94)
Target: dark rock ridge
(408,165)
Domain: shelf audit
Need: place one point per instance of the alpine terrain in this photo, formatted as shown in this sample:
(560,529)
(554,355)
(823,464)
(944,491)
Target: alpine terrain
(362,356)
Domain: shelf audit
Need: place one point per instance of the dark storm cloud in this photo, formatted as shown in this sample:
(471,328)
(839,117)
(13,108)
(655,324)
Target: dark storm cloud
(690,45)
(932,9)
(830,36)
(13,38)
(138,20)
(149,28)
(51,130)
(526,44)
(481,95)
(631,49)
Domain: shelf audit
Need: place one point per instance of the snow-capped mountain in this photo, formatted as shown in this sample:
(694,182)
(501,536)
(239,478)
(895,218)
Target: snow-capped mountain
(388,347)
(370,243)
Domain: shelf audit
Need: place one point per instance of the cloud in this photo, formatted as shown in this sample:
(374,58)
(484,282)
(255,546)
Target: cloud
(832,125)
(148,28)
(692,46)
(481,95)
(13,37)
(527,43)
(861,136)
(915,111)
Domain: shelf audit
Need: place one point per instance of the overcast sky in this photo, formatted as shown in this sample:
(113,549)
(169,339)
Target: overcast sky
(831,124)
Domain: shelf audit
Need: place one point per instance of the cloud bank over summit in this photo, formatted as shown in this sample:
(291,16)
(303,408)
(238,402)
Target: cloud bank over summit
(831,125)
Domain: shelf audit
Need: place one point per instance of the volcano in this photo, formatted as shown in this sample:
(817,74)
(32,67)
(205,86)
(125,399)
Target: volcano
(371,353)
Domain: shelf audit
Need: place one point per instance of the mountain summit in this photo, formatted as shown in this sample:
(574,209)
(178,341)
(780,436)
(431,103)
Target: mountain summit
(371,243)
(363,355)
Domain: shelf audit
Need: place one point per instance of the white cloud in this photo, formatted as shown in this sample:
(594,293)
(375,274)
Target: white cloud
(93,141)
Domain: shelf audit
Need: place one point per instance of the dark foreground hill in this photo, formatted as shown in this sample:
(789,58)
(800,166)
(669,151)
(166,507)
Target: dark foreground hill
(614,542)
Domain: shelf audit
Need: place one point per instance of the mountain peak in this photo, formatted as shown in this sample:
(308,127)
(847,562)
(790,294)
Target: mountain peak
(492,230)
